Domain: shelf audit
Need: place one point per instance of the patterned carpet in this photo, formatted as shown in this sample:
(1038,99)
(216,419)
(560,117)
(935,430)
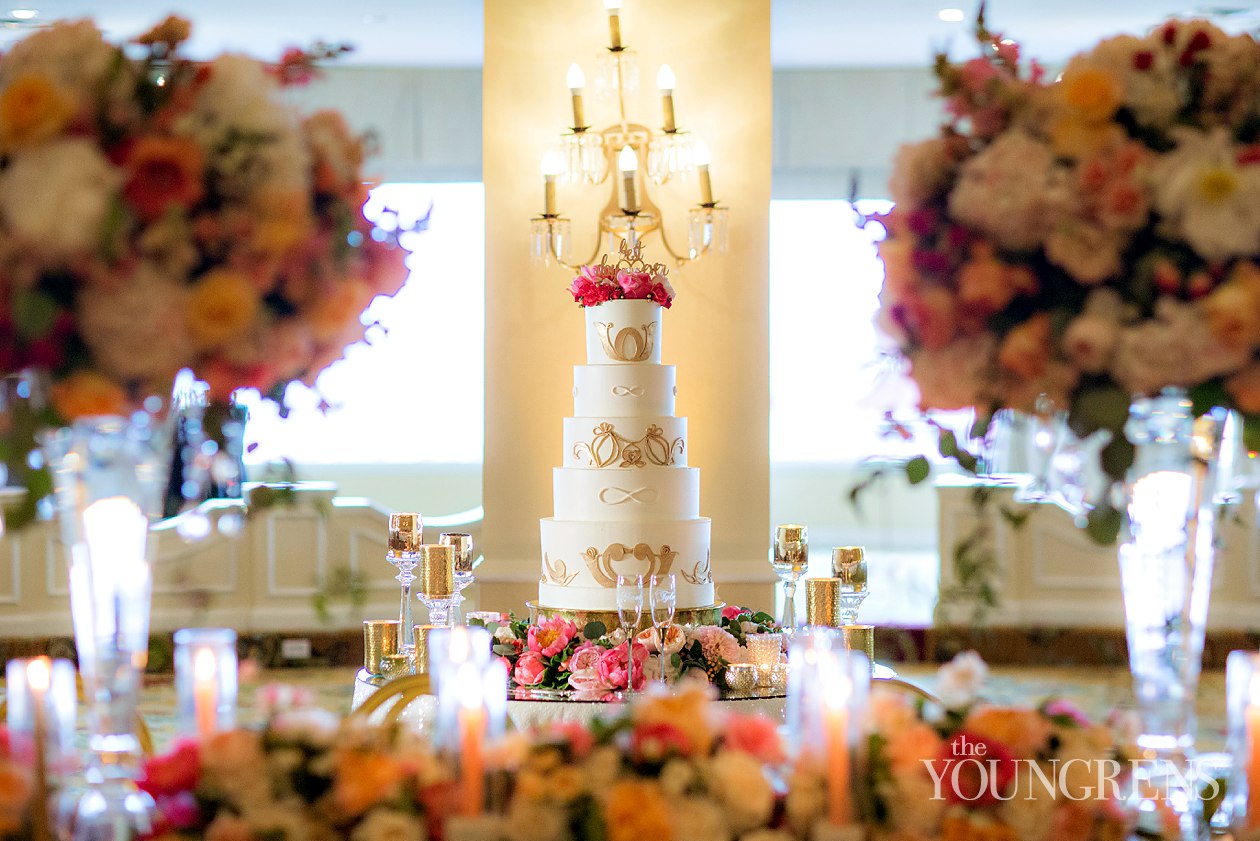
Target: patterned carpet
(1096,690)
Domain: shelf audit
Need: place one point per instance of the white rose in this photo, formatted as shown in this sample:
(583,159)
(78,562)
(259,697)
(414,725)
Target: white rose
(1089,342)
(960,681)
(56,196)
(914,806)
(676,777)
(136,331)
(388,825)
(739,784)
(535,820)
(307,726)
(1089,253)
(698,819)
(504,635)
(1007,190)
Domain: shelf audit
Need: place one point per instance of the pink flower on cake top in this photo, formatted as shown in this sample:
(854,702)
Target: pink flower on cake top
(599,283)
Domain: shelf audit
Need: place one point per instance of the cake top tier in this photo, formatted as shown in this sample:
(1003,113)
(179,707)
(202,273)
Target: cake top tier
(629,278)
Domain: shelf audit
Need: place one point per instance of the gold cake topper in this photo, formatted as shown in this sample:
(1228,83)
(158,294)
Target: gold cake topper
(631,260)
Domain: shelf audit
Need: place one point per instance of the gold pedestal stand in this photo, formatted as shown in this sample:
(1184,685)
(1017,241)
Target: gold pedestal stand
(710,615)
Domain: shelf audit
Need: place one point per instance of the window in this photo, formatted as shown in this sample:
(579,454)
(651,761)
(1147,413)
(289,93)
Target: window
(414,392)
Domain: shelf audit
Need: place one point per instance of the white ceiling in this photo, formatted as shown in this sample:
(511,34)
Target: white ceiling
(805,33)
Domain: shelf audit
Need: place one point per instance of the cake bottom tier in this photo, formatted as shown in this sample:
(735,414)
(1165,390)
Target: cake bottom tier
(581,561)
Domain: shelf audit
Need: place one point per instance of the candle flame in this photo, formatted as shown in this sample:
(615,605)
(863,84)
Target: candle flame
(612,5)
(575,79)
(665,80)
(204,665)
(552,163)
(627,161)
(700,153)
(38,675)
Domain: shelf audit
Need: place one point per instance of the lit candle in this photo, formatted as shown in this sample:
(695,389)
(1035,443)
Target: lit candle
(702,157)
(836,729)
(628,163)
(614,22)
(472,728)
(205,691)
(576,81)
(1252,724)
(665,82)
(551,167)
(38,679)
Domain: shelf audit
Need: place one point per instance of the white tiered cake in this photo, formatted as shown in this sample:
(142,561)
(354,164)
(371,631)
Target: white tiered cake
(626,503)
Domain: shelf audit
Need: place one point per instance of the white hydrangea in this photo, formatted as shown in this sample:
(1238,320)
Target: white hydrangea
(136,331)
(920,172)
(1175,348)
(72,55)
(1008,190)
(1205,198)
(55,197)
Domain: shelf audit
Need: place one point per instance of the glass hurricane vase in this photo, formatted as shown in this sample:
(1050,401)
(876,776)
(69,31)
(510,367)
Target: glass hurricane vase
(1166,576)
(109,473)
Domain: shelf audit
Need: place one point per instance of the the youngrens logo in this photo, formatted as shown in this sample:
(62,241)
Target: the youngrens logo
(980,771)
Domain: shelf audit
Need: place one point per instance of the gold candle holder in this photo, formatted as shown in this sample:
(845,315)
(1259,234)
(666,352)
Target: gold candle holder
(791,547)
(380,638)
(859,638)
(421,633)
(436,571)
(463,546)
(405,532)
(822,601)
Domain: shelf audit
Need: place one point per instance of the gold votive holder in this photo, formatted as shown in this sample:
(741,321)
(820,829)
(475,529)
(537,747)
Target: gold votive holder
(396,666)
(421,651)
(822,601)
(791,546)
(848,563)
(741,677)
(380,638)
(435,576)
(859,638)
(463,546)
(405,533)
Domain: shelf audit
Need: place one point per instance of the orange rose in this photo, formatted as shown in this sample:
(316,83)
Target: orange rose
(16,787)
(163,172)
(1244,387)
(32,110)
(221,307)
(637,810)
(1025,351)
(87,393)
(1025,731)
(337,309)
(688,710)
(1092,94)
(363,779)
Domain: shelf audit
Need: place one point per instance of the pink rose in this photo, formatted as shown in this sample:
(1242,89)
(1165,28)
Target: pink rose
(551,636)
(612,667)
(530,669)
(661,296)
(636,285)
(585,656)
(1063,708)
(754,735)
(731,611)
(655,741)
(174,772)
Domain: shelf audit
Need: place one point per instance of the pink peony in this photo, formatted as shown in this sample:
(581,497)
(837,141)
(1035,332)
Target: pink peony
(612,667)
(731,611)
(551,636)
(756,736)
(636,285)
(530,669)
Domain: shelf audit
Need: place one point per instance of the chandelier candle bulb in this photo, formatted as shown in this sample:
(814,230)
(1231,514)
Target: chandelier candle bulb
(628,163)
(702,157)
(576,81)
(614,23)
(551,167)
(665,81)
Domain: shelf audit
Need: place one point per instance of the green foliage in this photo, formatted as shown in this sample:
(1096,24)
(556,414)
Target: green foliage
(594,630)
(918,469)
(342,584)
(1103,524)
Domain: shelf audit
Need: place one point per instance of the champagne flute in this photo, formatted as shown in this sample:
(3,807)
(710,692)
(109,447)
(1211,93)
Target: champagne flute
(662,597)
(790,559)
(629,613)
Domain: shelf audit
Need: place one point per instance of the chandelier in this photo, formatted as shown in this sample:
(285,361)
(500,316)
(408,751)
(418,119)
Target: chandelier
(640,156)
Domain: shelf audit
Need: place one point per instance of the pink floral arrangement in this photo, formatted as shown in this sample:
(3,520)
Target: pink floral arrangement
(1076,242)
(596,284)
(159,213)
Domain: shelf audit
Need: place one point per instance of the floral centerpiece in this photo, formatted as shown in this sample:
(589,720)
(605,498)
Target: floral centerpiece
(1084,239)
(675,767)
(158,213)
(556,654)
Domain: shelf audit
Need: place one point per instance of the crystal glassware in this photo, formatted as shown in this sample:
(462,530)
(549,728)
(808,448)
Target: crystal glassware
(764,651)
(629,614)
(405,532)
(1166,576)
(205,679)
(848,565)
(790,559)
(463,546)
(437,582)
(109,473)
(40,694)
(662,599)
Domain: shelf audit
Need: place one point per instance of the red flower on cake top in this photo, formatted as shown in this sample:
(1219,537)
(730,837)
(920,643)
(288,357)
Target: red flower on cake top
(629,279)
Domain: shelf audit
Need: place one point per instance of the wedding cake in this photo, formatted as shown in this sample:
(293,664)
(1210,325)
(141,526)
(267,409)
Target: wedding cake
(626,503)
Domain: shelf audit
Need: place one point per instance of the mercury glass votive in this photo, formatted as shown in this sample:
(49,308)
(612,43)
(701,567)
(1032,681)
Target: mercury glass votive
(741,677)
(206,679)
(764,651)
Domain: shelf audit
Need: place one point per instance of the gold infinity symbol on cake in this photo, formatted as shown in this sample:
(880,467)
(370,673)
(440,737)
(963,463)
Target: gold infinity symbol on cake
(627,391)
(631,345)
(600,564)
(643,496)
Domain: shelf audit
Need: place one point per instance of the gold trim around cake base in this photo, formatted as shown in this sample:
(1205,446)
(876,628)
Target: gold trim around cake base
(710,615)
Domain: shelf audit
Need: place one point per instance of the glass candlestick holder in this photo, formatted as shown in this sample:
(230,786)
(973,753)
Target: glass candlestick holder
(848,566)
(405,531)
(437,581)
(790,559)
(462,544)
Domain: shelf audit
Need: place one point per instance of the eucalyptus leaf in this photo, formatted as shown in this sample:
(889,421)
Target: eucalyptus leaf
(1117,457)
(594,630)
(917,470)
(1103,524)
